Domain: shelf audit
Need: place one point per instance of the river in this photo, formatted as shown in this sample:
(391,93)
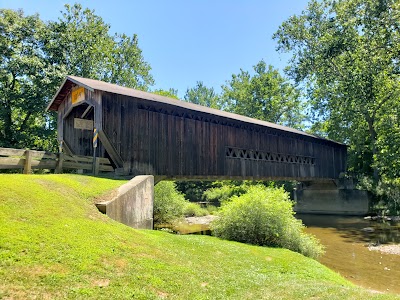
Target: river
(346,240)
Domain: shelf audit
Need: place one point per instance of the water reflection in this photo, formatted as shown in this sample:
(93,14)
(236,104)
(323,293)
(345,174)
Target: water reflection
(346,240)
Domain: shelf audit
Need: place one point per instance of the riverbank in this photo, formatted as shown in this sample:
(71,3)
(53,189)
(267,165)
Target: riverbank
(387,249)
(56,245)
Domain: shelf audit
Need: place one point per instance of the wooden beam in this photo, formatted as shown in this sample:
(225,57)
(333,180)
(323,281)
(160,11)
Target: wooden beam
(67,148)
(12,152)
(11,163)
(115,157)
(87,110)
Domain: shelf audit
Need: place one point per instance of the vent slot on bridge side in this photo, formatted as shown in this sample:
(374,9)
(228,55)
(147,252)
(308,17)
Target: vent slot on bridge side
(232,152)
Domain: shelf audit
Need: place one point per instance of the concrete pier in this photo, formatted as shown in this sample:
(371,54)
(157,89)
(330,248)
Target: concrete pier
(331,197)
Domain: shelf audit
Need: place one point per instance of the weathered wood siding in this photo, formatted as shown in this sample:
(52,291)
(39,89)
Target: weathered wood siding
(78,140)
(162,139)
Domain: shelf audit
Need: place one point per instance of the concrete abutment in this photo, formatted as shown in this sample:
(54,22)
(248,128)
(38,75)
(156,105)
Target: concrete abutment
(133,203)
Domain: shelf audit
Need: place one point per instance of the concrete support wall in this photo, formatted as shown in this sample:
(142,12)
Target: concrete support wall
(330,198)
(133,205)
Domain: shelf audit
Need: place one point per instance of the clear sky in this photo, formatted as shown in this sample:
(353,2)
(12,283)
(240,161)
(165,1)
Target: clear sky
(189,40)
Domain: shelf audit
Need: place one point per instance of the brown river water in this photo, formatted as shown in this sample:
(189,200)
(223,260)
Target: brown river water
(347,239)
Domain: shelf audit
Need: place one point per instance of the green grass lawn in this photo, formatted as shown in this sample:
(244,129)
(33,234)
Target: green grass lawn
(54,244)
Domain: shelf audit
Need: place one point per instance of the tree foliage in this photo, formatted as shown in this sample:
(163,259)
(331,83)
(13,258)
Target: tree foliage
(35,56)
(193,190)
(171,93)
(202,95)
(81,42)
(26,81)
(347,55)
(265,95)
(169,204)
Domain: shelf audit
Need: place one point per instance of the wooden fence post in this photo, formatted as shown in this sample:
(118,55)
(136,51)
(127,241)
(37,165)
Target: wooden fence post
(28,162)
(59,166)
(96,166)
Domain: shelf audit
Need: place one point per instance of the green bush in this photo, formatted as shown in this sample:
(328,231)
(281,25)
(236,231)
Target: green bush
(264,216)
(212,209)
(385,194)
(168,203)
(194,210)
(224,190)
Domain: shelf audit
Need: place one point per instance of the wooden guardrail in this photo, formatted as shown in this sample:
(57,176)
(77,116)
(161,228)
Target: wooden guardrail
(27,160)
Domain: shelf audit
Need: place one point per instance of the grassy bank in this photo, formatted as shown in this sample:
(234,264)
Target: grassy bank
(54,244)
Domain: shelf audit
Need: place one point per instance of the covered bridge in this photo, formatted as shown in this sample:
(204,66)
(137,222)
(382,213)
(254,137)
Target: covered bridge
(143,133)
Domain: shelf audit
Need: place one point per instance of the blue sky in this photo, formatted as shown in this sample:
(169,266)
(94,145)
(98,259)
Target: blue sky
(189,40)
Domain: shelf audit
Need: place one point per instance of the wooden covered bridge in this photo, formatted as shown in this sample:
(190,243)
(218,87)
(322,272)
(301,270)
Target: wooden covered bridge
(143,133)
(147,134)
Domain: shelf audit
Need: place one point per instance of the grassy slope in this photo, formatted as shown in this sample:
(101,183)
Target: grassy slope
(55,244)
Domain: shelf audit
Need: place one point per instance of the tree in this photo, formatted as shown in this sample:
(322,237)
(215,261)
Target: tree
(169,204)
(171,93)
(35,57)
(346,53)
(202,95)
(80,41)
(26,81)
(127,66)
(266,95)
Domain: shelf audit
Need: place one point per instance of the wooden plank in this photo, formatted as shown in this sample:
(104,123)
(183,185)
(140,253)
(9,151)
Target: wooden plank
(60,122)
(200,147)
(182,149)
(103,168)
(85,159)
(152,142)
(42,154)
(171,145)
(78,158)
(44,164)
(11,163)
(12,152)
(21,152)
(73,165)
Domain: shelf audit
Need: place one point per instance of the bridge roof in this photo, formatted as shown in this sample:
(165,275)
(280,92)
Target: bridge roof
(91,84)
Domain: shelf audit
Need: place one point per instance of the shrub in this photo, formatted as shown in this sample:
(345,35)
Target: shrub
(264,216)
(194,210)
(385,194)
(168,203)
(224,190)
(212,209)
